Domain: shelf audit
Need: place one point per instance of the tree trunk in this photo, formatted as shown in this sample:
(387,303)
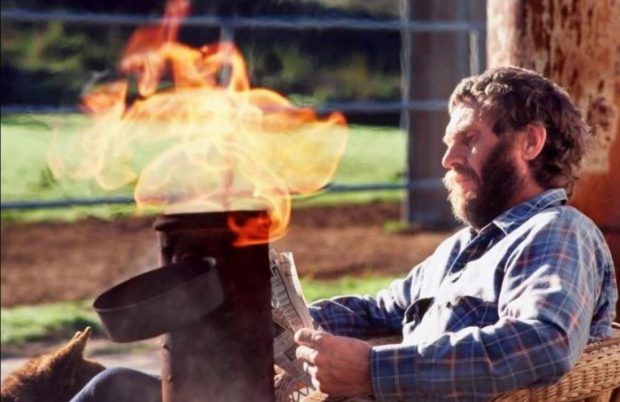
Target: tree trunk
(577,44)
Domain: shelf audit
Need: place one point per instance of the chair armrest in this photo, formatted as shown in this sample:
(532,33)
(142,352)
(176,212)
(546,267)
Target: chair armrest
(597,372)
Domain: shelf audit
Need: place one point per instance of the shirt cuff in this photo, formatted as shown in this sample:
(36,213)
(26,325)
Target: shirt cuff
(392,371)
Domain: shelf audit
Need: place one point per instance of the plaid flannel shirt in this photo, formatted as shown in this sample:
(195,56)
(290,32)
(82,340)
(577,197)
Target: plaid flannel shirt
(508,307)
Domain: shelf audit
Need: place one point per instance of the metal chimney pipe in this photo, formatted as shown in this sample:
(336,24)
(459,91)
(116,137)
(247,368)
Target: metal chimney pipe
(227,356)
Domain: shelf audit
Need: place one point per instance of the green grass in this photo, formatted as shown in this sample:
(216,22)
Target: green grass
(373,155)
(46,322)
(59,321)
(322,289)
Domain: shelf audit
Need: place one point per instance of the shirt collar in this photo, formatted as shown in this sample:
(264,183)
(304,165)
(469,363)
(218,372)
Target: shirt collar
(515,216)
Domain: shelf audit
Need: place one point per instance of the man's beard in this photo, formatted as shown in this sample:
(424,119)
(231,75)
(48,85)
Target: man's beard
(498,183)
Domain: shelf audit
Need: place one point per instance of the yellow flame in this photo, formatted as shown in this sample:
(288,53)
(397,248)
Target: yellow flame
(209,142)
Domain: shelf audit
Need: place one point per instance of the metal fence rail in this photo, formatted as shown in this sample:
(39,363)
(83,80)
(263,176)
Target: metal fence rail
(367,107)
(124,200)
(288,23)
(228,24)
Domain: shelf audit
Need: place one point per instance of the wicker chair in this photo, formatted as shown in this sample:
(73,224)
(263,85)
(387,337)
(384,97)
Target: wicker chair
(595,378)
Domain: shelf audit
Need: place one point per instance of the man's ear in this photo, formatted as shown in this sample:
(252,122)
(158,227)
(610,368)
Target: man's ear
(533,141)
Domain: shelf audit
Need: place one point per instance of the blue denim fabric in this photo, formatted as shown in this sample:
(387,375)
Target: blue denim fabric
(119,384)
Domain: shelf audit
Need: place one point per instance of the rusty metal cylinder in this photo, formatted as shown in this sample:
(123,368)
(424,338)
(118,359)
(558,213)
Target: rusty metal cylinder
(227,356)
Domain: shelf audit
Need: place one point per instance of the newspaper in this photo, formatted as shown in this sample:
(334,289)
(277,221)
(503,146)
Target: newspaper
(289,312)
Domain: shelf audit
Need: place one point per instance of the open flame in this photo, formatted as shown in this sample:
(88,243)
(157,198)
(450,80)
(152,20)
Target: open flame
(214,143)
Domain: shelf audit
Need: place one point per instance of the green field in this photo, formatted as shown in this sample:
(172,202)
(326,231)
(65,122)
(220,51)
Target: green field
(59,321)
(373,155)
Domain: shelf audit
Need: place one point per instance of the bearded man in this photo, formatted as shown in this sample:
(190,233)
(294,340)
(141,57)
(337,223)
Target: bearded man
(508,302)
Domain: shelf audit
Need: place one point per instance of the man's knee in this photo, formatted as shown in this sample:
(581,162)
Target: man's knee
(121,384)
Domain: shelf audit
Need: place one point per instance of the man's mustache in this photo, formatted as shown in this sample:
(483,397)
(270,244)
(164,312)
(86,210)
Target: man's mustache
(450,177)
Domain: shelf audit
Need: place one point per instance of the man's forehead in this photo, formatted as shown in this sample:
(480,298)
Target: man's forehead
(463,117)
(465,114)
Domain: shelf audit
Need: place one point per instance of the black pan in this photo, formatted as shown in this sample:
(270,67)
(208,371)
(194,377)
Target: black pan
(160,300)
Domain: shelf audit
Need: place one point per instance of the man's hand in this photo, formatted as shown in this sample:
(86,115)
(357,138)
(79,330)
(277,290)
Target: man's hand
(338,366)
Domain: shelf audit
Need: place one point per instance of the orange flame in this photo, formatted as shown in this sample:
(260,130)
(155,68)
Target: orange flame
(209,142)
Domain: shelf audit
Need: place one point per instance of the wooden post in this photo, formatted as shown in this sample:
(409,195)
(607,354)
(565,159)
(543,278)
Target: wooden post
(433,63)
(577,44)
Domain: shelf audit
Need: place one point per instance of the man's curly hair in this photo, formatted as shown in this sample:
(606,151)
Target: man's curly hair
(510,98)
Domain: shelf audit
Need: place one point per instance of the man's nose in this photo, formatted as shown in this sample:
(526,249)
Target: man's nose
(451,157)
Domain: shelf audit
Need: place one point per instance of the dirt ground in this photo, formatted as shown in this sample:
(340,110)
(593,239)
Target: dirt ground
(44,262)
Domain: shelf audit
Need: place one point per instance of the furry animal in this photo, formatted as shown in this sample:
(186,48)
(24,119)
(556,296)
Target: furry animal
(54,377)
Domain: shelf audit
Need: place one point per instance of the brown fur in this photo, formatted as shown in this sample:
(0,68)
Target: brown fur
(54,377)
